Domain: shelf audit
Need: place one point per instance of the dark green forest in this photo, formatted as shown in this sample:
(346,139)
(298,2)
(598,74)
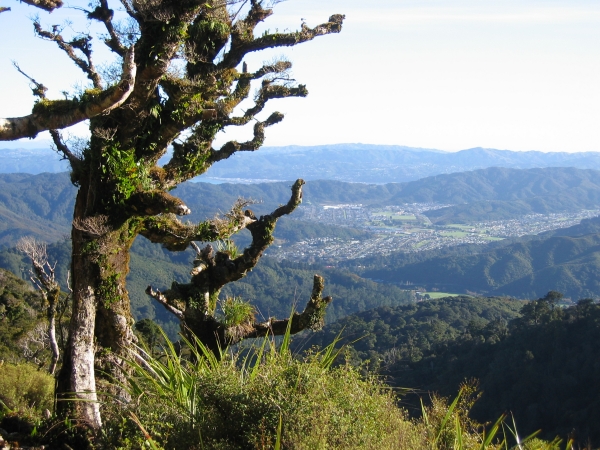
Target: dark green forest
(524,269)
(533,359)
(385,335)
(273,288)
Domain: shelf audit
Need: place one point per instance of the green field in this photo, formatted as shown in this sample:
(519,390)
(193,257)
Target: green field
(394,216)
(422,243)
(417,230)
(435,295)
(454,233)
(460,227)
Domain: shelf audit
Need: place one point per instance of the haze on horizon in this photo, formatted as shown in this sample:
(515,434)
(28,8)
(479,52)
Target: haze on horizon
(449,75)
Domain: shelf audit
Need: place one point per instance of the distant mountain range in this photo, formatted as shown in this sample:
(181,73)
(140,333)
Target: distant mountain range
(344,162)
(42,205)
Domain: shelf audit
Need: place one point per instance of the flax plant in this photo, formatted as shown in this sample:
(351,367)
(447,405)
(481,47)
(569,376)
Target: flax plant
(265,397)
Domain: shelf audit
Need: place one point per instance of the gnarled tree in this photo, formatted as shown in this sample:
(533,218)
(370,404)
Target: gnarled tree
(182,76)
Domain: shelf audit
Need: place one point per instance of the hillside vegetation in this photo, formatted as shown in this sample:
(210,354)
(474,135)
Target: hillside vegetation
(541,367)
(525,269)
(272,287)
(21,315)
(534,359)
(386,334)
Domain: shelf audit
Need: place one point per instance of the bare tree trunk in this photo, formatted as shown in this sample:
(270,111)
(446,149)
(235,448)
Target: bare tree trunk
(42,276)
(53,301)
(76,379)
(100,332)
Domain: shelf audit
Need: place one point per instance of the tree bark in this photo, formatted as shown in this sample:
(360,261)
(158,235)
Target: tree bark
(53,299)
(101,328)
(76,378)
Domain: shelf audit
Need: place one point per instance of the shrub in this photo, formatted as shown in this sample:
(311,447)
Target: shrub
(25,389)
(252,400)
(267,399)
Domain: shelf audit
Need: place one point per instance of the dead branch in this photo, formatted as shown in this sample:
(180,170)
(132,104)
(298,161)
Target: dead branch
(44,278)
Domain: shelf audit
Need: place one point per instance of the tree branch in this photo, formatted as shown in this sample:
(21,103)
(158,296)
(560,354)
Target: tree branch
(311,318)
(194,303)
(267,92)
(81,43)
(160,298)
(104,14)
(174,235)
(151,203)
(241,45)
(62,148)
(58,114)
(255,143)
(46,5)
(39,90)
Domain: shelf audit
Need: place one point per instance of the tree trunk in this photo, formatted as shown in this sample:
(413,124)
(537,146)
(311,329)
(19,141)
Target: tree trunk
(100,331)
(53,299)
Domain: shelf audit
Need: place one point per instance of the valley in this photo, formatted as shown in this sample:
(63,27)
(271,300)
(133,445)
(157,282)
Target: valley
(494,231)
(407,229)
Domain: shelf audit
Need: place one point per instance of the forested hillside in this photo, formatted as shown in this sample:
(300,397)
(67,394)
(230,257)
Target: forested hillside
(525,269)
(539,364)
(499,193)
(20,313)
(541,367)
(274,288)
(387,334)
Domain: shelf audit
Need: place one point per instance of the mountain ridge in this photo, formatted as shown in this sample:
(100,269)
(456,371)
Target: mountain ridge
(350,162)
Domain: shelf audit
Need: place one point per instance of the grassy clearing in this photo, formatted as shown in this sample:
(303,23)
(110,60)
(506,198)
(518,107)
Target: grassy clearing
(440,294)
(460,226)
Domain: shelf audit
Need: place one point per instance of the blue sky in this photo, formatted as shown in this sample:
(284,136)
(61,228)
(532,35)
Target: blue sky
(453,74)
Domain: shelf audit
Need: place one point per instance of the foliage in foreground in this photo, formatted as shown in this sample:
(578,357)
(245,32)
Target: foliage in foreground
(265,398)
(25,391)
(261,398)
